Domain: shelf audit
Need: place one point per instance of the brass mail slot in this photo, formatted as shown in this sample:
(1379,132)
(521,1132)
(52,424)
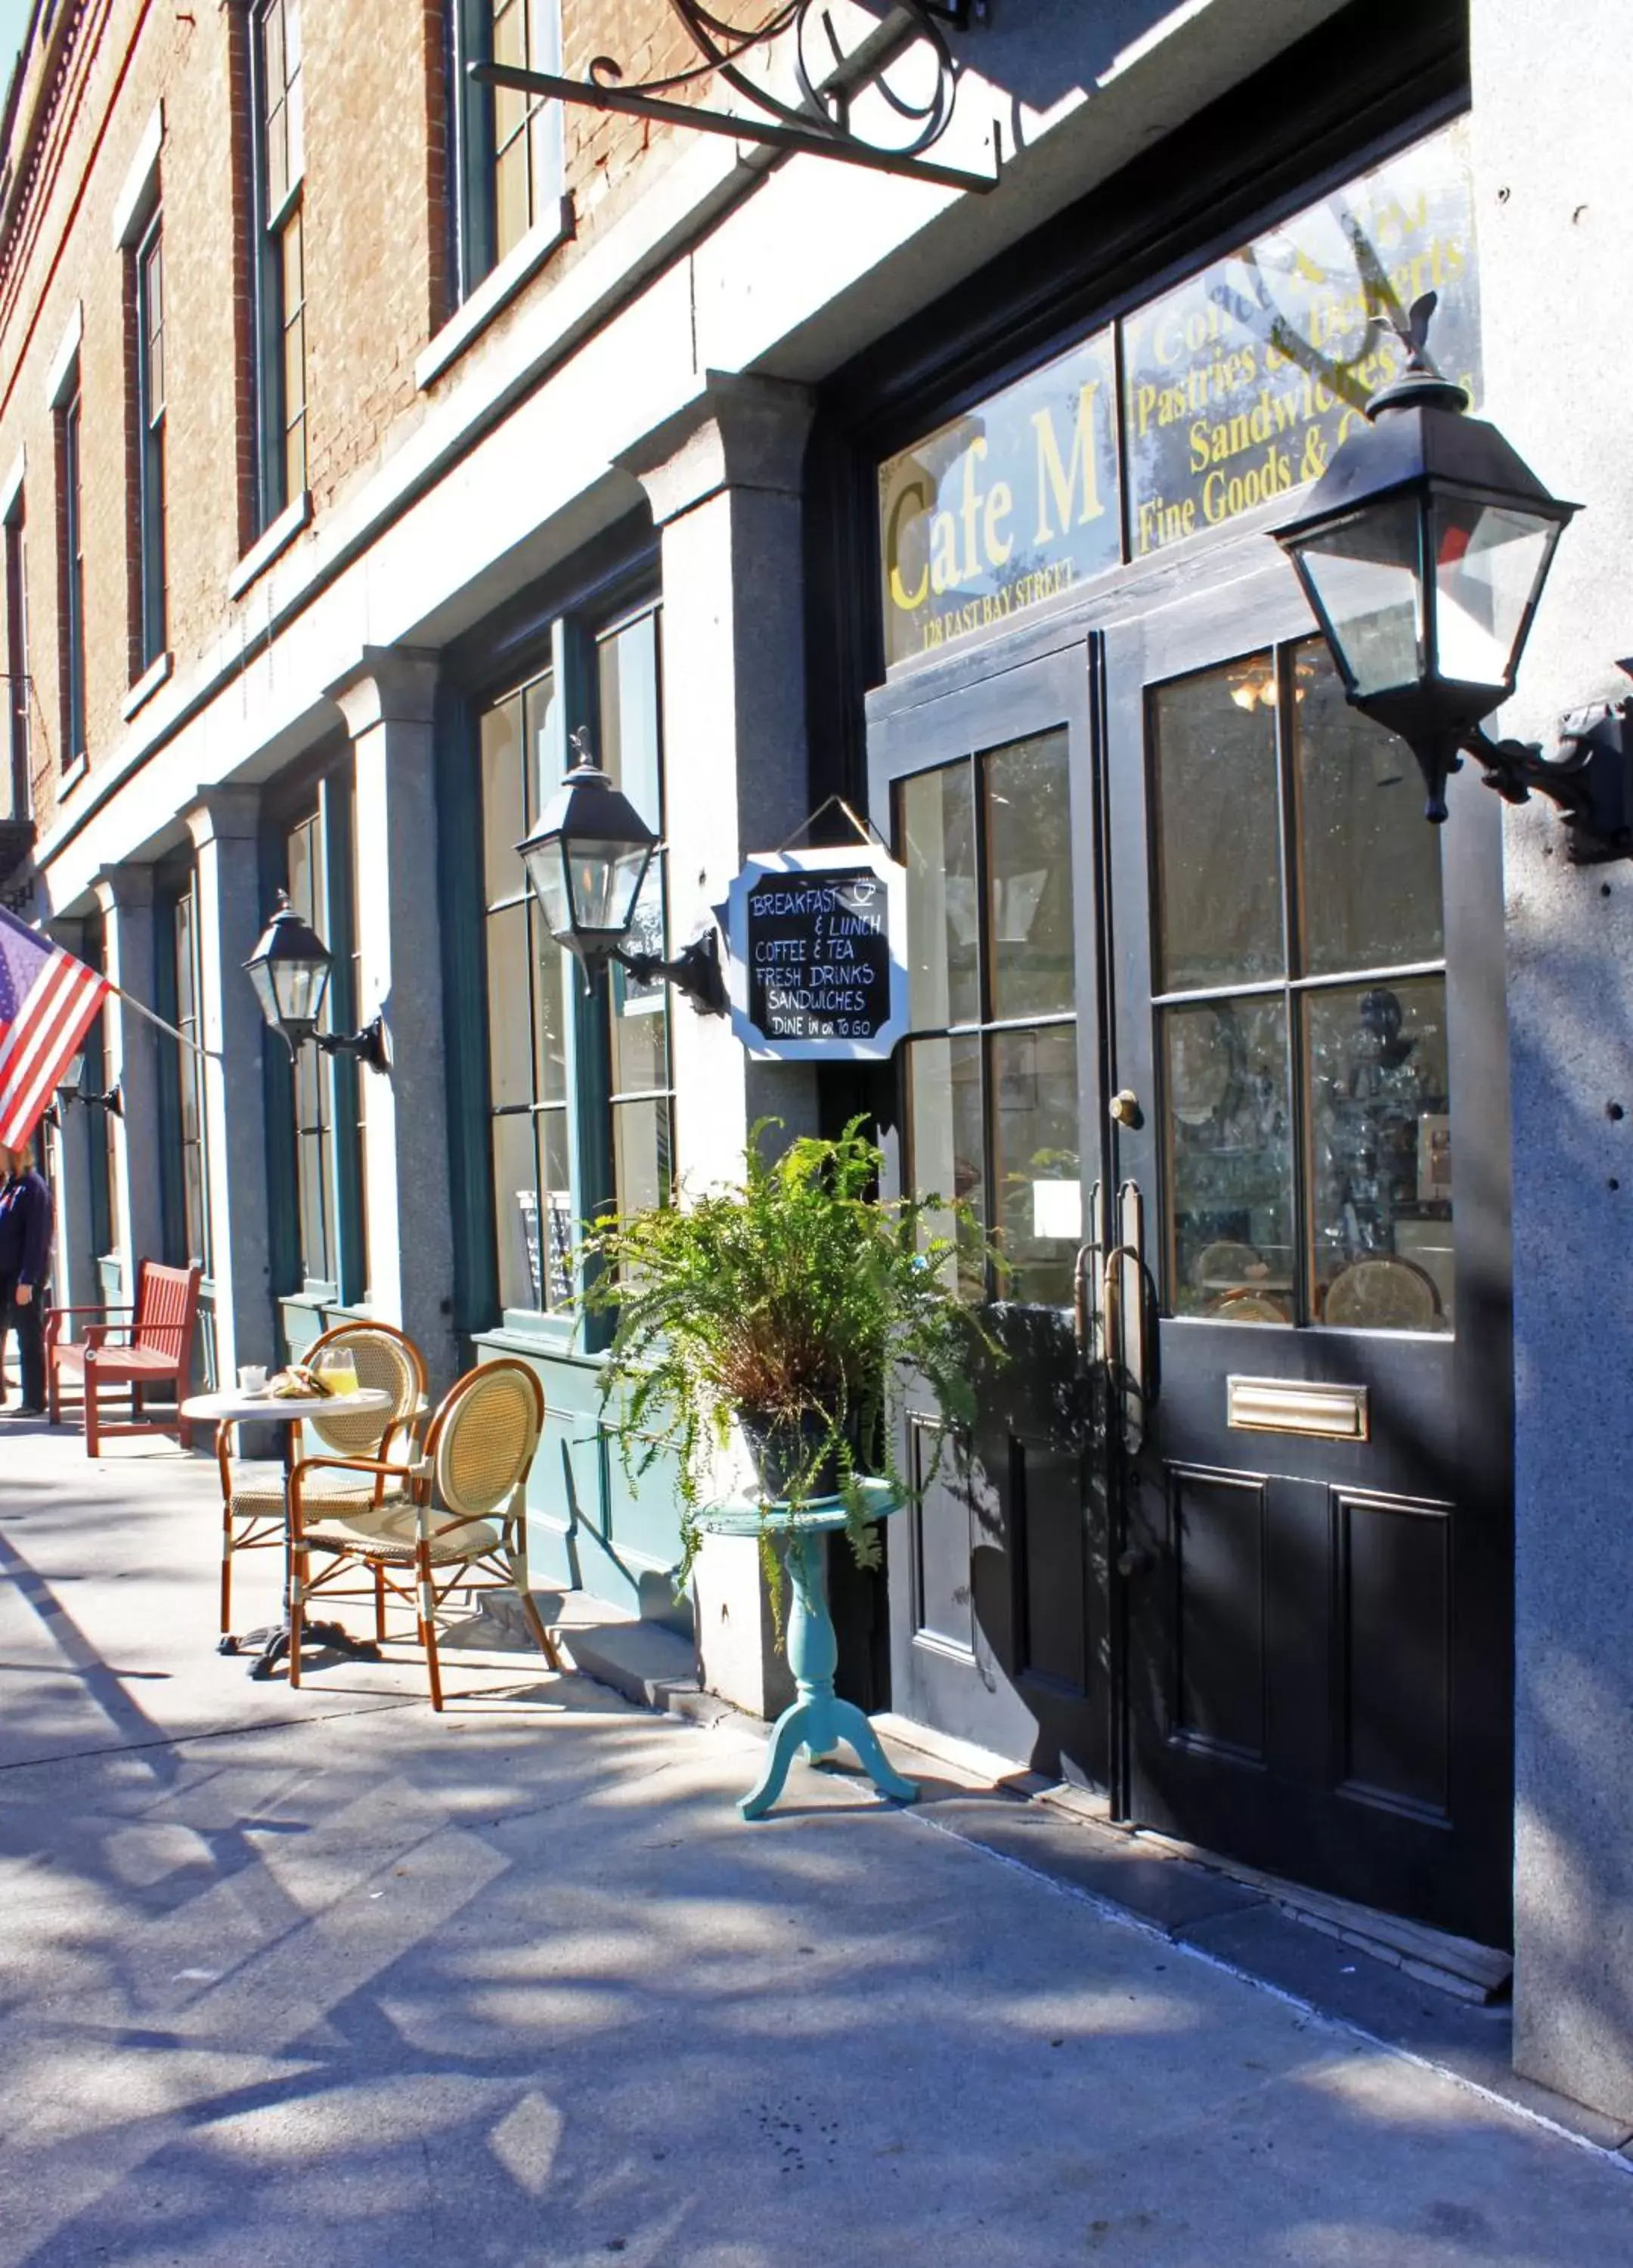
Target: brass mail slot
(1281,1405)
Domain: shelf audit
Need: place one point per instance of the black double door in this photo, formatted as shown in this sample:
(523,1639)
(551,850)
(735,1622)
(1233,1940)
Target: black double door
(1199,1002)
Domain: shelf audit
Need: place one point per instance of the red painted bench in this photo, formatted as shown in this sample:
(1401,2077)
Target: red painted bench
(157,1352)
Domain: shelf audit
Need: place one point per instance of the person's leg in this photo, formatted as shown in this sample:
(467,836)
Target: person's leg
(5,1329)
(29,1324)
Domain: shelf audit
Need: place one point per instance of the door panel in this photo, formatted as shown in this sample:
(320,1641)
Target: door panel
(1319,1629)
(998,1605)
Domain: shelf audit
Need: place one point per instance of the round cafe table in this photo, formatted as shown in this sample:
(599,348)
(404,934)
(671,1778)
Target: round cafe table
(818,1720)
(222,1410)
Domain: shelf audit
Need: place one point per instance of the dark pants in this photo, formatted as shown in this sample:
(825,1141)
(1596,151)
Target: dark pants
(29,1324)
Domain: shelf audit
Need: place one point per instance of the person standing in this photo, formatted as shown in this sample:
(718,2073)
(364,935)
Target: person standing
(25,1257)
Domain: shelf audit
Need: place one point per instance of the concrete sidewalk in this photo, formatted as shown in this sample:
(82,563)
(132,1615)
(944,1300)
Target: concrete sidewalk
(320,1977)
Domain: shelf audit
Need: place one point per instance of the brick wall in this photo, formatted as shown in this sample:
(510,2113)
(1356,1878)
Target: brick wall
(378,285)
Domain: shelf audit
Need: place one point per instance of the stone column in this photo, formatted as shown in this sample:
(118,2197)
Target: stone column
(387,702)
(131,1064)
(231,918)
(74,1279)
(724,479)
(1554,186)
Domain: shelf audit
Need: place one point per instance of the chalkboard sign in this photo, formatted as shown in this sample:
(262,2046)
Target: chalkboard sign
(818,946)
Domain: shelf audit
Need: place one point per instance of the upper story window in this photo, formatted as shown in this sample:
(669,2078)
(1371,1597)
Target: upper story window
(71,536)
(18,687)
(148,262)
(507,146)
(280,270)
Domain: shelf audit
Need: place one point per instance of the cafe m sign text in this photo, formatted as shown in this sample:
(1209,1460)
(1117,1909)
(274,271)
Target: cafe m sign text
(818,955)
(1004,506)
(1236,387)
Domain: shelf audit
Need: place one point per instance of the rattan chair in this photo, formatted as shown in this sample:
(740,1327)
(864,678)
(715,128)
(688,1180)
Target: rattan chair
(253,1504)
(463,1528)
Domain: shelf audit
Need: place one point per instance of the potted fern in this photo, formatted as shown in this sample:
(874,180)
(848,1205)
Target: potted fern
(794,1304)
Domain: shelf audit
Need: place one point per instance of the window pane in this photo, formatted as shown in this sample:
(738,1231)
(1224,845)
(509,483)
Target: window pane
(1228,1197)
(544,742)
(936,840)
(641,1155)
(1217,826)
(553,974)
(316,1257)
(1381,1155)
(295,458)
(1371,880)
(511,197)
(295,128)
(516,1213)
(291,253)
(1037,1195)
(1029,928)
(277,161)
(557,1182)
(510,1047)
(504,820)
(945,1139)
(640,1035)
(628,670)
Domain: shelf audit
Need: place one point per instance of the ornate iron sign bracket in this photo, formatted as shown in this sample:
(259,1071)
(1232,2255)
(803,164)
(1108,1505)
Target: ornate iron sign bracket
(820,123)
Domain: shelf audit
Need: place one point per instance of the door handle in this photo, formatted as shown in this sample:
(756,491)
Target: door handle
(1132,1356)
(1134,1561)
(1086,1282)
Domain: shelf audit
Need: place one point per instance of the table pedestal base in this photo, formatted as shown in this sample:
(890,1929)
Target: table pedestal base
(269,1646)
(818,1720)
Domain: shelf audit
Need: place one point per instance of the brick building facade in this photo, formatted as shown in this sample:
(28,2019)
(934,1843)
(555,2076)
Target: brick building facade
(365,434)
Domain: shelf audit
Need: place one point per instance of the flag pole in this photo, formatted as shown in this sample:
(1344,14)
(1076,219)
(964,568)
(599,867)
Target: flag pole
(210,1055)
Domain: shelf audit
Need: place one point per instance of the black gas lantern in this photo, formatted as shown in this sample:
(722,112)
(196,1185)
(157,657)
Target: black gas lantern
(290,969)
(586,860)
(1422,549)
(71,1087)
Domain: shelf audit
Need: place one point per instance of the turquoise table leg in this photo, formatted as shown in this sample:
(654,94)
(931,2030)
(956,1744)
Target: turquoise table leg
(818,1720)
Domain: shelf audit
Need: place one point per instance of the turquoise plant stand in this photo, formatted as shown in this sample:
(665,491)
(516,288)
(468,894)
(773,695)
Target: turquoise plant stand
(818,1720)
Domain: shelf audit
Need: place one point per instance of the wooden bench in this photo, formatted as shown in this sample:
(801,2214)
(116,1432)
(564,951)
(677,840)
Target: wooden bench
(157,1350)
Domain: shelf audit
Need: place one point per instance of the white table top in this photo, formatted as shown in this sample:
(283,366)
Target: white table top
(222,1408)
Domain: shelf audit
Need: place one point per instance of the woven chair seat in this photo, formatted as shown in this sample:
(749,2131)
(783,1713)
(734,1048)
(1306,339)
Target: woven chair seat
(390,1531)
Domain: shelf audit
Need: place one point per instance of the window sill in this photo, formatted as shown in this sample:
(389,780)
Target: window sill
(495,293)
(276,538)
(524,1333)
(146,686)
(71,776)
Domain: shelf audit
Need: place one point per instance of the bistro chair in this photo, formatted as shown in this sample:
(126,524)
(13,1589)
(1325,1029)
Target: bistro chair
(253,1506)
(127,1360)
(1382,1293)
(462,1528)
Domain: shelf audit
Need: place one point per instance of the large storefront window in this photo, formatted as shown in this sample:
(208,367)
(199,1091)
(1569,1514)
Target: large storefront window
(1301,999)
(315,1101)
(580,1102)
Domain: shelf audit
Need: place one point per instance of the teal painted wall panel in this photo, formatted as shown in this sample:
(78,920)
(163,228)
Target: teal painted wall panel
(588,1528)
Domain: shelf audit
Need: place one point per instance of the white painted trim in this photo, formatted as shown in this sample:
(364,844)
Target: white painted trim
(146,686)
(70,778)
(133,204)
(11,488)
(267,546)
(62,361)
(495,291)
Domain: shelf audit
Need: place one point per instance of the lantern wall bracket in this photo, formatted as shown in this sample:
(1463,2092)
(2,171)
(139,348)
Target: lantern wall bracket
(820,123)
(695,971)
(1590,780)
(370,1046)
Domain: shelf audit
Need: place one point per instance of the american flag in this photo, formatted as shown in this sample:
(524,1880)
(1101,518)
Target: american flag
(47,1000)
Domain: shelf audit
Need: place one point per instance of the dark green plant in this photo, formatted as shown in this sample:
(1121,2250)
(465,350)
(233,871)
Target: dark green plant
(800,1300)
